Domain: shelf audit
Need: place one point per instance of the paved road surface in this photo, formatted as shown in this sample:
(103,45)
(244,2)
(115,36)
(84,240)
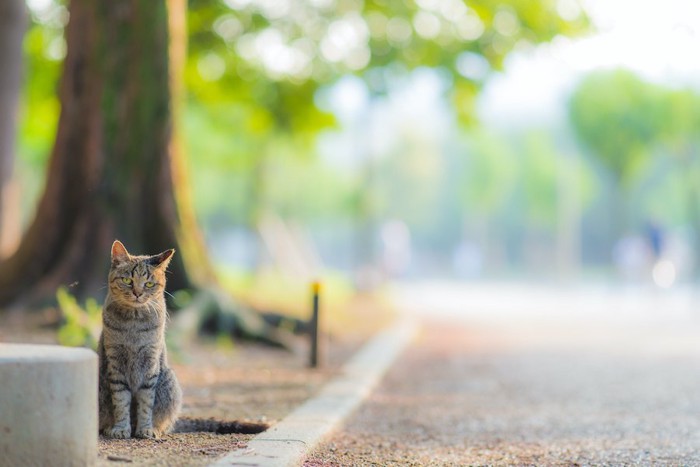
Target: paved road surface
(614,380)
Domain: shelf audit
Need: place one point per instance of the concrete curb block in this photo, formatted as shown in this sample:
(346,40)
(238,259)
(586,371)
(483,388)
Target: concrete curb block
(48,405)
(286,443)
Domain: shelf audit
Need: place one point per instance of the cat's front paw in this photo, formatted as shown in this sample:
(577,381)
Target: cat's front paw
(118,432)
(149,433)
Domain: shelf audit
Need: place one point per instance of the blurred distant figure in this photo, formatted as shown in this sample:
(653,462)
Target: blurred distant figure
(655,236)
(650,256)
(396,248)
(665,263)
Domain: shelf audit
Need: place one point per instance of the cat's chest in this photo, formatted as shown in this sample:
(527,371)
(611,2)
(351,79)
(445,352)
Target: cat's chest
(133,342)
(133,359)
(132,327)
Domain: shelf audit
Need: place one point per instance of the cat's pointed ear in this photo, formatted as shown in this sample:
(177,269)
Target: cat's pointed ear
(119,253)
(161,260)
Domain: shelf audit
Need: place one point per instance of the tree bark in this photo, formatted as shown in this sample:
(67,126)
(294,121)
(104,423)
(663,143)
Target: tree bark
(13,23)
(110,173)
(190,239)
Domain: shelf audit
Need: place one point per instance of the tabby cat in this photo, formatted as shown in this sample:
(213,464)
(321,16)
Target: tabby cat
(138,393)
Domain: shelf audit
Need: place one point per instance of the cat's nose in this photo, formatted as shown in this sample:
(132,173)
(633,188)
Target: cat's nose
(137,293)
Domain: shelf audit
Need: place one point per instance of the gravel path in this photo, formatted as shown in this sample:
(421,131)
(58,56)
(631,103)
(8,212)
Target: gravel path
(532,393)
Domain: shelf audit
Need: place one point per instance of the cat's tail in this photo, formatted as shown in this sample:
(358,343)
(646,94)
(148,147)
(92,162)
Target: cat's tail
(212,425)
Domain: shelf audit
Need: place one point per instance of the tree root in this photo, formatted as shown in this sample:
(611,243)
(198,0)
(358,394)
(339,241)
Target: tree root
(213,312)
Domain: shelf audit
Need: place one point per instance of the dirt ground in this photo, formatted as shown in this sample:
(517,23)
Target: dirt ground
(224,380)
(246,382)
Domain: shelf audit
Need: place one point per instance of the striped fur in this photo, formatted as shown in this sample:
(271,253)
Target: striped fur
(212,425)
(138,393)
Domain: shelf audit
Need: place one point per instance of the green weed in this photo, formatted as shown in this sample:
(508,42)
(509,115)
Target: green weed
(82,323)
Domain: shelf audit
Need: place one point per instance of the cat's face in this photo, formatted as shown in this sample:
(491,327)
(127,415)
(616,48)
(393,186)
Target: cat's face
(137,280)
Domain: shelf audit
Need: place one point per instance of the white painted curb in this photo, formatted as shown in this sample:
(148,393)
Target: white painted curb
(48,405)
(286,443)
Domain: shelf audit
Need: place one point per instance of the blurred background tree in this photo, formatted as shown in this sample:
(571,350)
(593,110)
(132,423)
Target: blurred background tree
(252,75)
(680,138)
(109,174)
(254,56)
(618,117)
(321,133)
(13,23)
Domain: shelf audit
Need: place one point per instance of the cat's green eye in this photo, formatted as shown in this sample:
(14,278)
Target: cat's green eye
(127,280)
(150,284)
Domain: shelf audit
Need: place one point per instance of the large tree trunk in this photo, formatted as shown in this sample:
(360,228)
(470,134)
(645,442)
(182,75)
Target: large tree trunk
(110,173)
(13,23)
(190,239)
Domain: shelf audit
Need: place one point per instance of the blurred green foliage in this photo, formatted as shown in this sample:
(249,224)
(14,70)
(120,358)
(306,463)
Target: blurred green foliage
(516,180)
(44,48)
(39,95)
(415,162)
(243,45)
(680,123)
(618,116)
(491,173)
(254,69)
(82,324)
(252,117)
(540,166)
(647,138)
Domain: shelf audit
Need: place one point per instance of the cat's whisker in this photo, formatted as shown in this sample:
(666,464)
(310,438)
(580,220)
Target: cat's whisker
(153,308)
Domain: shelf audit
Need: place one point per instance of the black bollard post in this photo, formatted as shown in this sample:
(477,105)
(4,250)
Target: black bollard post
(313,332)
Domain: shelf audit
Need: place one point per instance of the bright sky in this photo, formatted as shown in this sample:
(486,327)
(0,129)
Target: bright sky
(660,39)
